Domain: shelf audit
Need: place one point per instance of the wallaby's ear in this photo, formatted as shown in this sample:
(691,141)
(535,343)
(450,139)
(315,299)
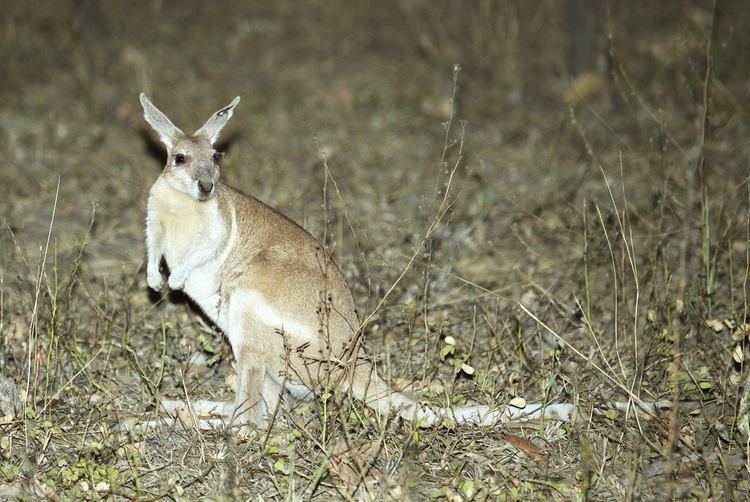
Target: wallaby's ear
(216,123)
(168,132)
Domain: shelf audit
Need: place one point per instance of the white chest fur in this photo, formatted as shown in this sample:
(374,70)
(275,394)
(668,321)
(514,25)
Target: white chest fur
(193,238)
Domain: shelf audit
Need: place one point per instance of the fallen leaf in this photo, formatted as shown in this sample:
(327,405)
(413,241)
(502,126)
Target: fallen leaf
(741,332)
(467,486)
(532,451)
(447,350)
(738,354)
(101,486)
(679,306)
(715,325)
(518,402)
(467,369)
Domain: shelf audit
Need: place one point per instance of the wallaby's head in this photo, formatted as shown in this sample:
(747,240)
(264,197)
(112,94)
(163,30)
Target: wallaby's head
(192,162)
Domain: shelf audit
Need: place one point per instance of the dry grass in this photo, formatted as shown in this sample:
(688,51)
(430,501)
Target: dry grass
(619,216)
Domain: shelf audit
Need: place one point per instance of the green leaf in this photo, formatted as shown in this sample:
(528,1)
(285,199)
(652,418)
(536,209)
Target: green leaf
(467,486)
(611,414)
(447,350)
(96,447)
(206,344)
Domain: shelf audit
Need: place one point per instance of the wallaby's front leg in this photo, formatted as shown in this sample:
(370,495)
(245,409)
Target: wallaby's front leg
(154,250)
(203,249)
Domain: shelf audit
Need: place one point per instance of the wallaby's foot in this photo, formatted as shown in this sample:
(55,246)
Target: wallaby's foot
(209,415)
(200,408)
(177,280)
(154,279)
(203,415)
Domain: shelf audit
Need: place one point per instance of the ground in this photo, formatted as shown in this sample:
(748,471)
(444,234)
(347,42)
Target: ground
(508,231)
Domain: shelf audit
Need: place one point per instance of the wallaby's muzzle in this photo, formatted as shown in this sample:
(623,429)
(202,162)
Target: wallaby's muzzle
(205,188)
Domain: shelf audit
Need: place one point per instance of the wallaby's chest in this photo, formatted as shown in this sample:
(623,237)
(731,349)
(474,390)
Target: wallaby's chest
(186,224)
(194,235)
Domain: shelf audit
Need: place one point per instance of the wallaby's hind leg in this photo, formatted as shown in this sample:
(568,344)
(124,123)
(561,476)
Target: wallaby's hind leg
(258,393)
(250,405)
(255,345)
(274,395)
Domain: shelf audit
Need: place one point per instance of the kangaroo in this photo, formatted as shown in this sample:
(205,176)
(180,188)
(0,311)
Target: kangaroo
(268,285)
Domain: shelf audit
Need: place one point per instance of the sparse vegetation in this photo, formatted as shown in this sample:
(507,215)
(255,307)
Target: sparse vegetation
(592,245)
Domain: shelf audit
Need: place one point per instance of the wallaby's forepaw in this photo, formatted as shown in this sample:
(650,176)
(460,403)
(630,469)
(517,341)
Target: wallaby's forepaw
(154,279)
(177,281)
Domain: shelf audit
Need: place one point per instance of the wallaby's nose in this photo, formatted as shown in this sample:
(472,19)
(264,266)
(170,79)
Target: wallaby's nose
(205,186)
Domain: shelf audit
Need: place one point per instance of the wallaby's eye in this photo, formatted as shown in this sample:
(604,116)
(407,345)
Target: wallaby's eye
(217,157)
(179,158)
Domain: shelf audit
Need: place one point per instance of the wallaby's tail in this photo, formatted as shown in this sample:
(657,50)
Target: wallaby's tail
(368,387)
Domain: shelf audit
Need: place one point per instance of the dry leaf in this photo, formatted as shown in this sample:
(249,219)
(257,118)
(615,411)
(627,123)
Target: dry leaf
(518,402)
(715,325)
(101,486)
(738,354)
(679,306)
(467,369)
(687,435)
(741,332)
(532,451)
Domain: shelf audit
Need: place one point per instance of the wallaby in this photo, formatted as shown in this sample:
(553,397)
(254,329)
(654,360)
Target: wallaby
(268,284)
